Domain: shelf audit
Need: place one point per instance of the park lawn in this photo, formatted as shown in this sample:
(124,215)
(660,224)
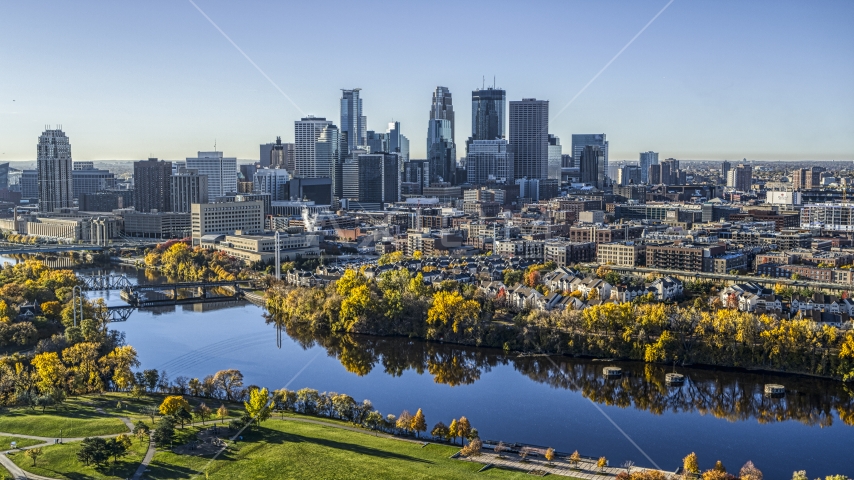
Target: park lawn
(133,407)
(60,461)
(287,449)
(75,420)
(6,442)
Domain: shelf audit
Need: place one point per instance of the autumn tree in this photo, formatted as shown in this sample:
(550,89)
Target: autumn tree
(222,413)
(690,465)
(524,452)
(450,309)
(404,421)
(602,463)
(549,455)
(749,472)
(120,361)
(419,423)
(172,404)
(473,449)
(575,458)
(463,428)
(34,454)
(203,412)
(453,431)
(258,406)
(499,449)
(440,430)
(50,371)
(719,467)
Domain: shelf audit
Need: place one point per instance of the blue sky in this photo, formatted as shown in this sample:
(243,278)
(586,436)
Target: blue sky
(707,80)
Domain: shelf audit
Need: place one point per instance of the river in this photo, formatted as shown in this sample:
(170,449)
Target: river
(560,402)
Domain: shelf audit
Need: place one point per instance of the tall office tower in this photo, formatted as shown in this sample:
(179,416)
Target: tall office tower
(88,179)
(489,161)
(487,114)
(647,159)
(416,176)
(377,142)
(188,187)
(529,137)
(725,166)
(221,172)
(555,157)
(273,181)
(397,142)
(740,178)
(592,165)
(443,108)
(152,185)
(328,156)
(629,175)
(4,175)
(579,141)
(379,178)
(56,188)
(441,151)
(354,125)
(654,175)
(670,171)
(307,132)
(277,155)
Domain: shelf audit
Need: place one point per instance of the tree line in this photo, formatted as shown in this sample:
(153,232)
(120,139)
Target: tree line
(399,304)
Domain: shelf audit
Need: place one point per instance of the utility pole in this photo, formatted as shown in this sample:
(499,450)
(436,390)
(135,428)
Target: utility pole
(278,258)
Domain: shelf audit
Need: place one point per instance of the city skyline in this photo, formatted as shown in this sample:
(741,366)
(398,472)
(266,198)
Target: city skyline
(731,87)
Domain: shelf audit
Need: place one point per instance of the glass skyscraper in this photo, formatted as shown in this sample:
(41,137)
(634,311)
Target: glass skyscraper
(529,137)
(354,125)
(647,159)
(579,141)
(487,114)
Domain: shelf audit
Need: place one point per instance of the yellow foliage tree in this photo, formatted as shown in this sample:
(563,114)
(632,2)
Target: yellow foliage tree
(119,362)
(689,463)
(258,406)
(419,423)
(450,308)
(50,371)
(173,404)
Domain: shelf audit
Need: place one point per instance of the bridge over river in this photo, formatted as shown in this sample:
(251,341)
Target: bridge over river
(164,294)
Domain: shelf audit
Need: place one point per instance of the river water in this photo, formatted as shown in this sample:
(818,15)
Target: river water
(564,403)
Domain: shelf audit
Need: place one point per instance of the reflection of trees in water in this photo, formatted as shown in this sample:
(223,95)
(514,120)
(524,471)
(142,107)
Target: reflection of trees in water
(734,396)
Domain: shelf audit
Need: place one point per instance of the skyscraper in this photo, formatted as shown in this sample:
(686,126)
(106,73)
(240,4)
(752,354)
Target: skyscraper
(307,132)
(725,166)
(377,142)
(487,114)
(277,155)
(591,164)
(221,172)
(670,171)
(441,151)
(327,152)
(529,137)
(354,125)
(579,141)
(489,161)
(188,187)
(273,181)
(152,185)
(555,157)
(397,142)
(740,178)
(629,175)
(53,161)
(443,108)
(647,159)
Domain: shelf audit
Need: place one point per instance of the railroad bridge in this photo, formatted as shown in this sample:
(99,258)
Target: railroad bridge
(164,294)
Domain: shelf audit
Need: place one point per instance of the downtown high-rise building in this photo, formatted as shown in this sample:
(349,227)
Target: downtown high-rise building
(397,142)
(441,152)
(272,181)
(354,125)
(529,137)
(591,165)
(53,164)
(555,158)
(308,163)
(740,178)
(188,187)
(579,141)
(221,172)
(277,155)
(489,161)
(152,185)
(488,109)
(443,108)
(373,179)
(725,166)
(646,159)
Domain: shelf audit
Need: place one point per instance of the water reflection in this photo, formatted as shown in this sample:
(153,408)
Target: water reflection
(731,395)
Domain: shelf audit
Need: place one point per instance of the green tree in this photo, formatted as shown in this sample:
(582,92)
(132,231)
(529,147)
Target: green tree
(440,430)
(164,432)
(93,450)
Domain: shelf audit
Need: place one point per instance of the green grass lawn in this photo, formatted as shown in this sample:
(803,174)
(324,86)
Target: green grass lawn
(301,450)
(60,461)
(74,420)
(6,442)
